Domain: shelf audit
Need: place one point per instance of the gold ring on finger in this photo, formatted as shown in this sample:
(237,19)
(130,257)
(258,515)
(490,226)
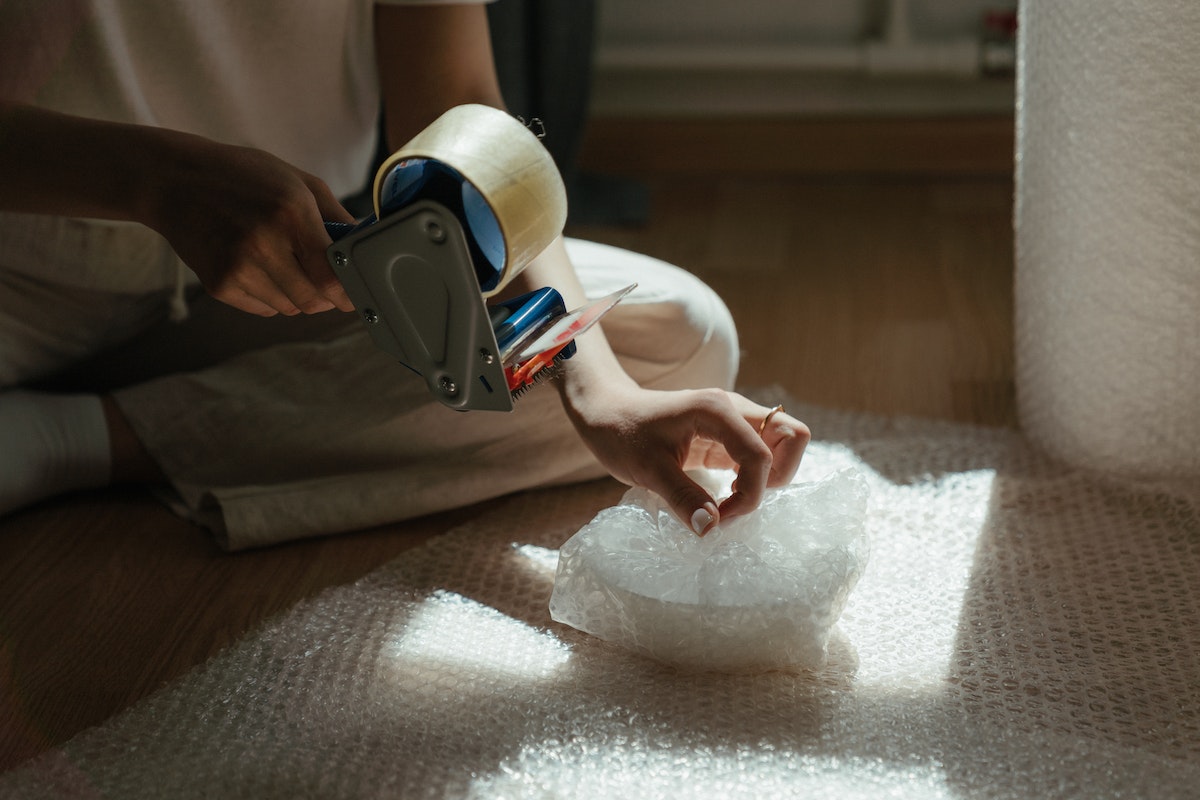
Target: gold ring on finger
(767,418)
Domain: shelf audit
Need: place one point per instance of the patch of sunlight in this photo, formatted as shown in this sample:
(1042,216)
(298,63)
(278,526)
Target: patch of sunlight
(630,768)
(449,630)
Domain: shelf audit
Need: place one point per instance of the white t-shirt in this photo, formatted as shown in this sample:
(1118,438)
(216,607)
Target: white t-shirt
(294,77)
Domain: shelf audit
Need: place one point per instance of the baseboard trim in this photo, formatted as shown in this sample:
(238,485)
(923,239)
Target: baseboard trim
(887,145)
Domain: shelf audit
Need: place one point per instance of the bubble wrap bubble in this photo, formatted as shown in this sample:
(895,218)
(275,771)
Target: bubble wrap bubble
(759,592)
(1022,630)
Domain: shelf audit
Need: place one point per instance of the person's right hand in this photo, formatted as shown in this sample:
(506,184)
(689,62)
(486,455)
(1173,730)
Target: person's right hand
(651,438)
(250,226)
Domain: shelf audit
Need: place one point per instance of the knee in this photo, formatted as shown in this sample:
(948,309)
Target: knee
(673,331)
(698,338)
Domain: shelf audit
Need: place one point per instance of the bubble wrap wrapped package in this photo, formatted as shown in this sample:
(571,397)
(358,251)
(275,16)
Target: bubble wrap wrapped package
(1022,630)
(758,592)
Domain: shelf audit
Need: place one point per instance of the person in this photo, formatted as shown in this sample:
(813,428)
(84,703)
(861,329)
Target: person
(178,159)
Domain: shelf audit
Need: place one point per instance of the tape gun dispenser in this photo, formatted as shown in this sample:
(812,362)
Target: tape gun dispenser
(459,211)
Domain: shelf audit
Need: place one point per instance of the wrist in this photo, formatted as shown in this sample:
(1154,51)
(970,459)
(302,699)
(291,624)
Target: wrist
(593,379)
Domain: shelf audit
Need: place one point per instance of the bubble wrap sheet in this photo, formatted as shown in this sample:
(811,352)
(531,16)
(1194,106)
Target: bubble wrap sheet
(1021,630)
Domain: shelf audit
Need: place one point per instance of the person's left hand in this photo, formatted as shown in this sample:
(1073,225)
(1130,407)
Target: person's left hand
(649,438)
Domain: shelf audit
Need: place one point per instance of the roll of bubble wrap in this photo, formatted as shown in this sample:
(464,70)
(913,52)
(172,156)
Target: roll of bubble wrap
(1108,233)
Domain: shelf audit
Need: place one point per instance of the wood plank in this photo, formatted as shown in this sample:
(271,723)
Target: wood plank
(885,295)
(958,145)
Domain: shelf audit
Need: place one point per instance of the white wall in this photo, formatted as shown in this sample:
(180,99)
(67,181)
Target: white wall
(753,56)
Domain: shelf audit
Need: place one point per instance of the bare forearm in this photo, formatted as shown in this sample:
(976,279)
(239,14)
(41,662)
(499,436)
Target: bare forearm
(53,163)
(431,58)
(247,223)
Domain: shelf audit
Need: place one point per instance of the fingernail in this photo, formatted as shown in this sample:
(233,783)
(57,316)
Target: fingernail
(703,519)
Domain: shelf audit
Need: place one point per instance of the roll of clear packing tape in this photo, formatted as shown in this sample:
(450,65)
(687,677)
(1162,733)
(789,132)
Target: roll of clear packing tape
(493,173)
(1107,218)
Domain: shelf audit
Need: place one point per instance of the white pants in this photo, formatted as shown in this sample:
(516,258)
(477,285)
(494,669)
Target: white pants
(280,428)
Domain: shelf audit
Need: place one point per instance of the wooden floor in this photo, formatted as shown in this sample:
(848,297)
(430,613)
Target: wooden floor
(868,265)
